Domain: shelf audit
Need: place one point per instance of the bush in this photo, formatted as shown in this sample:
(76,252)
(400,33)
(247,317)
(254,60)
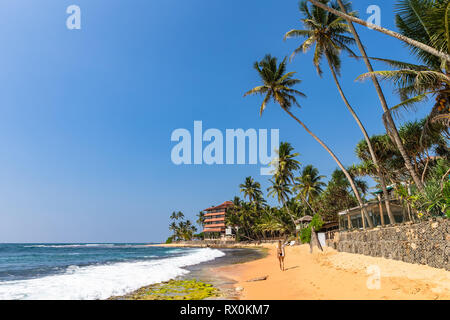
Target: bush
(169,240)
(317,222)
(199,236)
(305,235)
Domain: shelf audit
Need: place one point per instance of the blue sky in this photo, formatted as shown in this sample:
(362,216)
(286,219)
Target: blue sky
(86,115)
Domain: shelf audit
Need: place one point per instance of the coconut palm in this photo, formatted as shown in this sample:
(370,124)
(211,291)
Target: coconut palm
(309,184)
(200,218)
(277,86)
(251,189)
(284,175)
(280,189)
(286,163)
(177,215)
(351,19)
(270,223)
(426,21)
(389,123)
(331,35)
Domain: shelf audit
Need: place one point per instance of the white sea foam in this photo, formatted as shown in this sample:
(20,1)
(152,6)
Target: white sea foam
(103,281)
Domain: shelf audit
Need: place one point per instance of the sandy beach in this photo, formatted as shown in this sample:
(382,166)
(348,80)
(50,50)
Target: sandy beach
(335,275)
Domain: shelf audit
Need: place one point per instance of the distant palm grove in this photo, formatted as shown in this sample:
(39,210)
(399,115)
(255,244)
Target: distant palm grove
(409,162)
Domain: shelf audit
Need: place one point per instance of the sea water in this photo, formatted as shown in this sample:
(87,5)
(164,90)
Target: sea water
(90,271)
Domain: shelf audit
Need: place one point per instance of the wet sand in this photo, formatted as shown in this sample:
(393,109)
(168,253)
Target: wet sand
(206,272)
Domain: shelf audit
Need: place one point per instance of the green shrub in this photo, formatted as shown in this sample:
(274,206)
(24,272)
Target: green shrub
(169,240)
(305,235)
(317,222)
(199,236)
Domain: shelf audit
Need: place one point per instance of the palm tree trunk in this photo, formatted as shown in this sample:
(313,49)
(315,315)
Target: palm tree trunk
(388,32)
(347,175)
(391,127)
(307,202)
(290,215)
(366,137)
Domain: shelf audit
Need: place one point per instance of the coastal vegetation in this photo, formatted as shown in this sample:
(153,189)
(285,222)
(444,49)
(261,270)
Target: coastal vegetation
(409,163)
(412,158)
(182,228)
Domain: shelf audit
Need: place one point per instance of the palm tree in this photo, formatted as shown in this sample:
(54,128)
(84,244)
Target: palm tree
(350,19)
(200,218)
(177,215)
(174,228)
(389,123)
(284,175)
(331,35)
(251,189)
(309,183)
(286,164)
(280,190)
(187,229)
(277,86)
(424,21)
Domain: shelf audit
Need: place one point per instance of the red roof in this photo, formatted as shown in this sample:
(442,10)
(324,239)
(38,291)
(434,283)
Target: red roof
(226,204)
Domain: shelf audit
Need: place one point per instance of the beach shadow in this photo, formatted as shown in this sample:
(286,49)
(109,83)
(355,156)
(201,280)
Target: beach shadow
(291,268)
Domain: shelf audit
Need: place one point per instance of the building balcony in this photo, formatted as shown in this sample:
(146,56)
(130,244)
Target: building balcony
(220,213)
(222,219)
(215,225)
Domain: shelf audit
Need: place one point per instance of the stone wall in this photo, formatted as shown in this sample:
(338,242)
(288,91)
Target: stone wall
(427,242)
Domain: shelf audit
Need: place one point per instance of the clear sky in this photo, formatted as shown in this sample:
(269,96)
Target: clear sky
(86,115)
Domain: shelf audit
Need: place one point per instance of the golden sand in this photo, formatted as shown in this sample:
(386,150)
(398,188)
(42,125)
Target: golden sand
(335,275)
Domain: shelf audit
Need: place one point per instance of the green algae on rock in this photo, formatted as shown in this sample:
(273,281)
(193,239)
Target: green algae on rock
(173,290)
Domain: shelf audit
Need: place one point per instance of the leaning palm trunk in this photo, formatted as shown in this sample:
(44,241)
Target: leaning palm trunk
(388,32)
(347,175)
(307,202)
(391,128)
(290,215)
(366,137)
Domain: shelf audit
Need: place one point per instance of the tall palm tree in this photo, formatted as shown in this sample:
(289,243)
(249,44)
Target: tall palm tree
(309,183)
(284,175)
(251,189)
(389,123)
(277,86)
(351,19)
(331,35)
(286,163)
(280,189)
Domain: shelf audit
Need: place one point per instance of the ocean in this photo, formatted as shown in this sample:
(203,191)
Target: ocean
(90,271)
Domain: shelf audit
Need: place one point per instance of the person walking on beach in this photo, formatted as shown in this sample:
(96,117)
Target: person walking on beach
(280,255)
